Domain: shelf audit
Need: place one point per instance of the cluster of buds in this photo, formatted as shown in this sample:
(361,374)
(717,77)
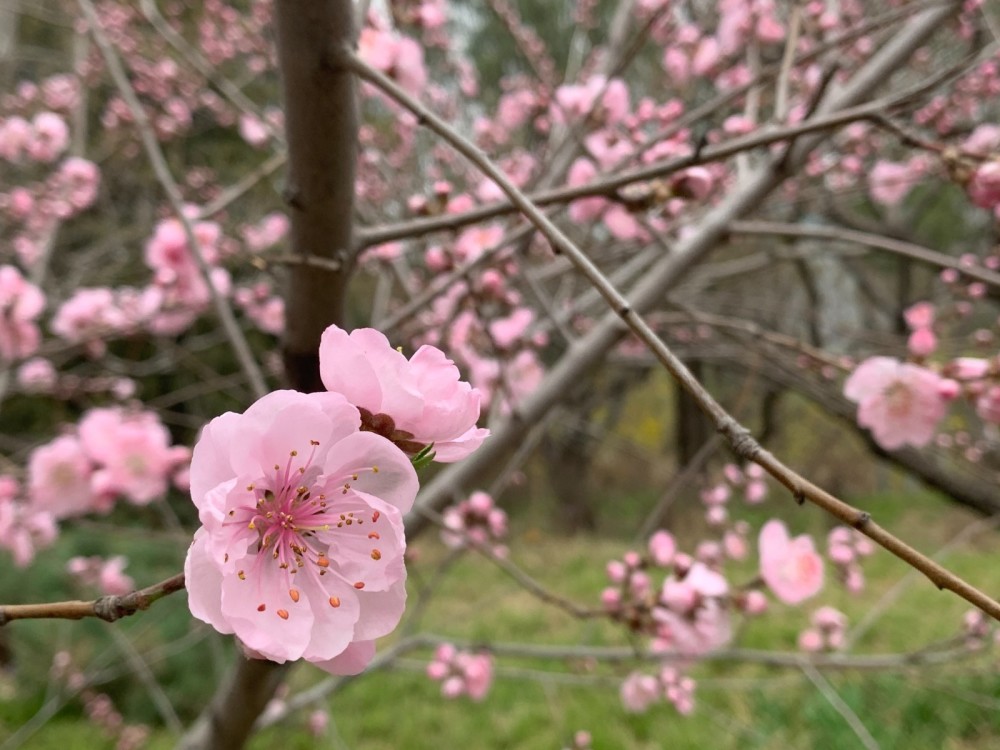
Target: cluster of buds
(827,631)
(475,521)
(461,672)
(686,614)
(639,691)
(749,481)
(845,548)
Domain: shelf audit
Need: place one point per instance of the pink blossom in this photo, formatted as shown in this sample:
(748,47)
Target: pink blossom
(901,403)
(37,375)
(508,331)
(106,575)
(133,453)
(418,402)
(59,479)
(300,553)
(77,181)
(922,342)
(639,691)
(920,315)
(475,520)
(22,528)
(889,182)
(790,567)
(755,492)
(50,137)
(21,302)
(461,672)
(253,130)
(662,548)
(267,232)
(15,135)
(984,187)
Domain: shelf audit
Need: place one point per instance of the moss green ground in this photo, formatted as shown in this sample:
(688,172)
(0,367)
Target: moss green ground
(539,704)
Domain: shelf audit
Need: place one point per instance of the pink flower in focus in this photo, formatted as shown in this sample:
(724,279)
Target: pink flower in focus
(790,567)
(900,403)
(300,553)
(416,402)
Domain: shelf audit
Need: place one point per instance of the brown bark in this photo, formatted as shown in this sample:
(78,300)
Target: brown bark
(321,122)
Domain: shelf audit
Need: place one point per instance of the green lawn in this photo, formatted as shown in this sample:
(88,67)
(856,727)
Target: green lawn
(538,703)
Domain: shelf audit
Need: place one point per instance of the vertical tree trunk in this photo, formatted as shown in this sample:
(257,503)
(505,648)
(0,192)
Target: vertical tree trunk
(321,122)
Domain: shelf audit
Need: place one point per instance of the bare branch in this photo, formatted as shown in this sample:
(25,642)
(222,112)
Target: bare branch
(107,608)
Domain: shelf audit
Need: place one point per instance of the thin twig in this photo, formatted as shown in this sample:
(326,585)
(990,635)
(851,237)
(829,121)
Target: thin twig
(107,608)
(834,699)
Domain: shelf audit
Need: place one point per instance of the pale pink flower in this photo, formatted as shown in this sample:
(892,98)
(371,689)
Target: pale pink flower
(15,135)
(639,691)
(755,492)
(920,315)
(106,575)
(889,182)
(922,342)
(22,528)
(900,403)
(37,375)
(300,553)
(475,520)
(76,181)
(21,302)
(50,137)
(662,548)
(59,479)
(133,453)
(984,187)
(418,401)
(790,567)
(253,130)
(508,331)
(461,672)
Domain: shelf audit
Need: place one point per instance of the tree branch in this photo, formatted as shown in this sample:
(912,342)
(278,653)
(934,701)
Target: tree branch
(107,608)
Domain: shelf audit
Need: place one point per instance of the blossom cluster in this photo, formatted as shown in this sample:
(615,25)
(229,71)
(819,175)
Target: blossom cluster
(461,672)
(475,520)
(113,453)
(640,691)
(301,500)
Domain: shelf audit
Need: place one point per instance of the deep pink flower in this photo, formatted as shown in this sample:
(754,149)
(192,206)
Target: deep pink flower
(300,554)
(791,567)
(416,402)
(900,403)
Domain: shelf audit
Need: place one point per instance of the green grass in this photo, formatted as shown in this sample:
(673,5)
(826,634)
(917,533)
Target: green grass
(540,704)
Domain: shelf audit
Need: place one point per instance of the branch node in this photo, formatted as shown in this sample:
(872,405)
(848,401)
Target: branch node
(862,520)
(800,496)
